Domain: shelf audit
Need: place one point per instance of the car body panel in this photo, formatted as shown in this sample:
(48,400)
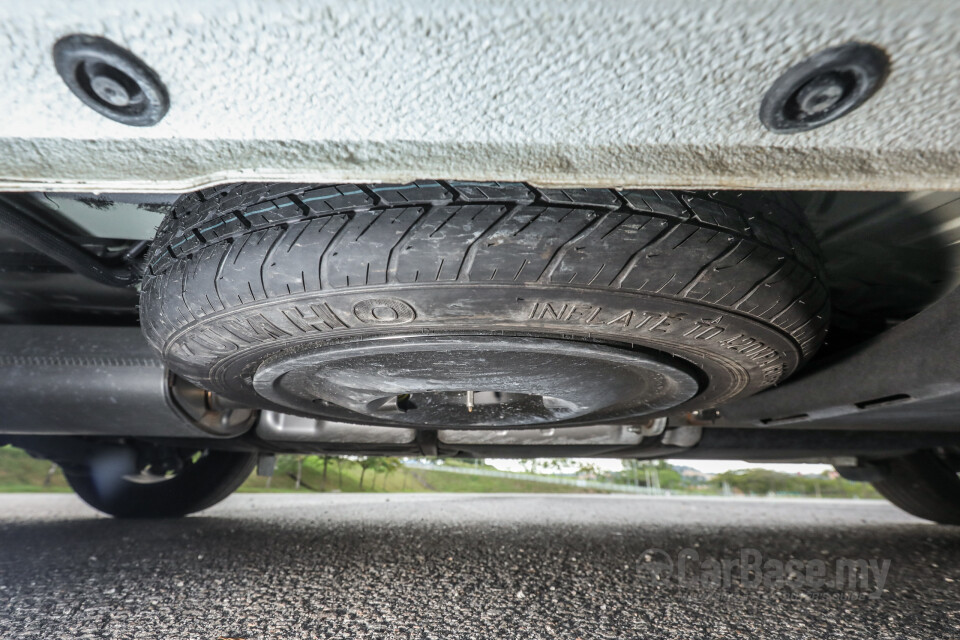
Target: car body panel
(558,92)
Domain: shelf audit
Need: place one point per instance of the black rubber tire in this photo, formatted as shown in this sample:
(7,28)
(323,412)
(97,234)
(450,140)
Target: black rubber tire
(730,282)
(922,484)
(199,486)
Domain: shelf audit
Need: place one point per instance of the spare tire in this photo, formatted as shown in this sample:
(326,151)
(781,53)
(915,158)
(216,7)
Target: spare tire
(387,304)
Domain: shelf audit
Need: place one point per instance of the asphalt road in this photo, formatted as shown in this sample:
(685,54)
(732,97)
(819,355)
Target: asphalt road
(477,566)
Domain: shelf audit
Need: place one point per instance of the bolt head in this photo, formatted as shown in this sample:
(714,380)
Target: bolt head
(821,94)
(110,91)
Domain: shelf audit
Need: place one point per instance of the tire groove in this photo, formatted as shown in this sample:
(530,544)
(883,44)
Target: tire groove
(561,251)
(707,268)
(269,256)
(466,265)
(635,258)
(325,255)
(755,287)
(393,258)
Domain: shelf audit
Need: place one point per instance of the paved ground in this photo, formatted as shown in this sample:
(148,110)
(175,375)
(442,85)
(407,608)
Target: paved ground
(476,566)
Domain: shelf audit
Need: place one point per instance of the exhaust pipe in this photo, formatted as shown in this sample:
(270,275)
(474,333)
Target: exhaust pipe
(102,381)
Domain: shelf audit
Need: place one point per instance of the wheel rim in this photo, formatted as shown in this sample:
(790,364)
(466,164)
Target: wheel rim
(473,382)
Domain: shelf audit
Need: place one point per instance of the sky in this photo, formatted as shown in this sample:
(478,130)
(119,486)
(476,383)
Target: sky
(706,466)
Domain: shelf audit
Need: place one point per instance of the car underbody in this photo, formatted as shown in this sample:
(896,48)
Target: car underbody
(569,234)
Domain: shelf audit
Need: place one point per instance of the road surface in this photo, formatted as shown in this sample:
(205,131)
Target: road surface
(478,566)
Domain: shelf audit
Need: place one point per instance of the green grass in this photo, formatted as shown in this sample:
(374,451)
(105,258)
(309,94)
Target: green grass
(345,478)
(20,472)
(32,488)
(460,483)
(408,480)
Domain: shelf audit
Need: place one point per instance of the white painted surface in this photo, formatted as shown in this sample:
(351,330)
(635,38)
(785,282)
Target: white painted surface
(611,92)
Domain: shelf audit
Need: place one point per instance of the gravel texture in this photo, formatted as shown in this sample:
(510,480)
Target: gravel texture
(470,566)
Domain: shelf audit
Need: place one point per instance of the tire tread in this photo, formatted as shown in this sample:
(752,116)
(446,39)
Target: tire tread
(751,253)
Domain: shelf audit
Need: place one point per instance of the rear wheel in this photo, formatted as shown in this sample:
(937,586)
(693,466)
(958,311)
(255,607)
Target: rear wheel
(482,305)
(127,482)
(924,484)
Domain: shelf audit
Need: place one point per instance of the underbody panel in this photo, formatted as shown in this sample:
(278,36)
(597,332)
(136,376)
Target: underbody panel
(389,117)
(651,94)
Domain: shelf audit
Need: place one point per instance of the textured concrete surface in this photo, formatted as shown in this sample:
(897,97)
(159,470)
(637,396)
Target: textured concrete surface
(618,92)
(466,566)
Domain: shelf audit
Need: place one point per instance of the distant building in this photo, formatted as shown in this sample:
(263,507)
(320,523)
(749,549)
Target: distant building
(692,475)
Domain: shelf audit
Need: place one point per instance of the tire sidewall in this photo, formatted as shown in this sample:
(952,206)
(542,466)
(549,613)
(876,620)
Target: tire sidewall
(736,354)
